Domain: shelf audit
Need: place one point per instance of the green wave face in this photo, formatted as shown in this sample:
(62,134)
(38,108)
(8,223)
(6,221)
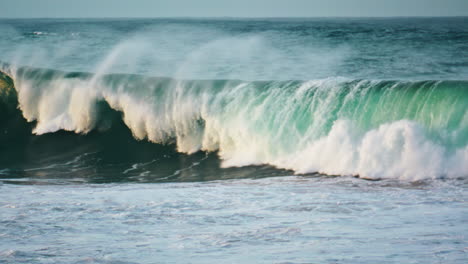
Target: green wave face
(440,107)
(403,129)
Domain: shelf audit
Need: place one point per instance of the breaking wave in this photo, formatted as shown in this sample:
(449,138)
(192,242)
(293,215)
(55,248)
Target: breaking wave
(371,128)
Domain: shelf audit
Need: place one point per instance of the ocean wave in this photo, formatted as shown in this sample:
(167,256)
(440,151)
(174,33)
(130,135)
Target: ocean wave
(371,128)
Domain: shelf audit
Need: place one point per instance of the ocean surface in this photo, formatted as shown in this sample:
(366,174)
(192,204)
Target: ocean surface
(327,140)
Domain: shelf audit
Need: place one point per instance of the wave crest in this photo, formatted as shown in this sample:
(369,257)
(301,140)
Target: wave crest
(375,129)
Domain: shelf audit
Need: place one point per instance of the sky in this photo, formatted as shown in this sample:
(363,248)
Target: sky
(230,8)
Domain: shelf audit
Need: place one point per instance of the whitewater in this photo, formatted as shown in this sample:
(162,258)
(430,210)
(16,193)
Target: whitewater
(333,140)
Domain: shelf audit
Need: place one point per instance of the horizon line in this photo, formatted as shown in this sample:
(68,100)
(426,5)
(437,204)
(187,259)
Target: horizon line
(238,17)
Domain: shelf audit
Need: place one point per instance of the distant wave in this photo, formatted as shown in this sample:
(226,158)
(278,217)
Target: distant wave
(371,128)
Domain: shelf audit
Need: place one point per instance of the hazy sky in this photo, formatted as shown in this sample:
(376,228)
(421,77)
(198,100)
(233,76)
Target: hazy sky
(233,8)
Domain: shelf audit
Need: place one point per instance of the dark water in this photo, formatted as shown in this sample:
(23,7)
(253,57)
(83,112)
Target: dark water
(245,138)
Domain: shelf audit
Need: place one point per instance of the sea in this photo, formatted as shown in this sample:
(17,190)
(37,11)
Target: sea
(234,140)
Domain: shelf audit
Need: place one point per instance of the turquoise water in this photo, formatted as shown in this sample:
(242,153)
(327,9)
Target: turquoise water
(253,141)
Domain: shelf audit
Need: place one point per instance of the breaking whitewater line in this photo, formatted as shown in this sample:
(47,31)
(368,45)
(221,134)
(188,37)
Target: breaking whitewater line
(376,129)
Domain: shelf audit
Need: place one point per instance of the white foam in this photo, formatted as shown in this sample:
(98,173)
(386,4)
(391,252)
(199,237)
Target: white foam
(393,150)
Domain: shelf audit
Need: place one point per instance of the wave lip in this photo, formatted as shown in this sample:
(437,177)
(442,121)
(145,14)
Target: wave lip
(374,129)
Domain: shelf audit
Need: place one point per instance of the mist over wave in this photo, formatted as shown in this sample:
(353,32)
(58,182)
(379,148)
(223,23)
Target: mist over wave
(248,49)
